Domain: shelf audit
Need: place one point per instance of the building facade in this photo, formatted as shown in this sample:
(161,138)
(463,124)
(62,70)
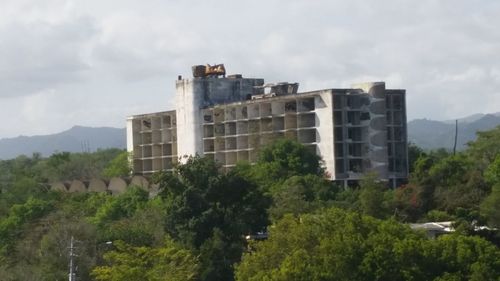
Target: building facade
(356,130)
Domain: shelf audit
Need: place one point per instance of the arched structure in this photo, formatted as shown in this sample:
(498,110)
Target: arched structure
(77,186)
(97,185)
(117,185)
(140,181)
(60,186)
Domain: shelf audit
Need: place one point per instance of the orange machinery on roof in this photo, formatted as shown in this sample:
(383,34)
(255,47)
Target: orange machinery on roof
(209,70)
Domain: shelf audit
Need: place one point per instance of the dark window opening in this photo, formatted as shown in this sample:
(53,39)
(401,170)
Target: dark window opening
(339,134)
(364,116)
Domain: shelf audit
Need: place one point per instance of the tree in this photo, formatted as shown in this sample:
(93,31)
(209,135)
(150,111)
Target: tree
(19,180)
(449,171)
(280,161)
(53,247)
(301,194)
(486,147)
(118,167)
(340,245)
(408,205)
(331,245)
(210,212)
(19,215)
(457,183)
(490,207)
(23,188)
(69,166)
(117,218)
(422,183)
(144,228)
(460,257)
(414,152)
(285,158)
(168,263)
(448,182)
(123,205)
(371,197)
(492,173)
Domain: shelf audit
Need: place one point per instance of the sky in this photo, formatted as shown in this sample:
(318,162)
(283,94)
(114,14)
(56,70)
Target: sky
(95,62)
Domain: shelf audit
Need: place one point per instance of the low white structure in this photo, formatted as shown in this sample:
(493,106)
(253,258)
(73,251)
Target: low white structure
(434,229)
(114,186)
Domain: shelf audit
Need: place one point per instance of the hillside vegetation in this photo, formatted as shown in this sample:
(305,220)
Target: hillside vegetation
(195,228)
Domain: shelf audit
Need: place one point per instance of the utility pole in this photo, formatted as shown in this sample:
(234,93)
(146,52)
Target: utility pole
(456,136)
(72,274)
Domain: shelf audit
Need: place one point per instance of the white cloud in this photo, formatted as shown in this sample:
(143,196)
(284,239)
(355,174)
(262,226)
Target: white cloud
(105,60)
(35,106)
(39,55)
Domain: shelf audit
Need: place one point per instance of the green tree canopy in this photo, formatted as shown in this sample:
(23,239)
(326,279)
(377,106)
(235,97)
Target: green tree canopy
(170,262)
(414,152)
(301,194)
(492,174)
(20,214)
(340,245)
(486,147)
(372,197)
(285,158)
(490,207)
(280,161)
(118,167)
(211,211)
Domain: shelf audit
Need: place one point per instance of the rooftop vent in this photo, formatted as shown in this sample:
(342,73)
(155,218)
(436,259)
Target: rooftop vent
(278,89)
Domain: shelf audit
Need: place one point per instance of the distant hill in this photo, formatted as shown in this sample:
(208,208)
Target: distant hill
(430,134)
(471,118)
(76,139)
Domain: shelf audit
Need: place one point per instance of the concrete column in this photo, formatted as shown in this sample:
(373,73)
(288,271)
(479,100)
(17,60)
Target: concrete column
(189,99)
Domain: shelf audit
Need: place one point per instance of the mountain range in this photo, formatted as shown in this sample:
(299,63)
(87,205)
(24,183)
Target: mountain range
(427,134)
(431,134)
(76,139)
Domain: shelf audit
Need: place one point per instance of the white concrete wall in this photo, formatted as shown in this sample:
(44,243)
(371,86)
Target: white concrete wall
(130,135)
(189,98)
(193,94)
(325,139)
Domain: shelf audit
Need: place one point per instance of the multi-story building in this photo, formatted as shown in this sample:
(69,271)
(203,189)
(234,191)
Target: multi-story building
(355,130)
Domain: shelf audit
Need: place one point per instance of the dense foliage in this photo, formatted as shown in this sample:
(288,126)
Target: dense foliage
(195,228)
(169,262)
(339,245)
(210,212)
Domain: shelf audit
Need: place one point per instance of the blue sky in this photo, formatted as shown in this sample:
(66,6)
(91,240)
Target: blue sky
(92,63)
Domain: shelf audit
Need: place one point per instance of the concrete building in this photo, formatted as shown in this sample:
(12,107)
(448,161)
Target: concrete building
(152,142)
(354,130)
